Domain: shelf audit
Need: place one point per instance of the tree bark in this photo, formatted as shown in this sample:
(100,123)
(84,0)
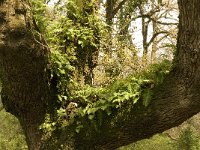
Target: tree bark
(145,27)
(26,94)
(155,42)
(23,59)
(109,11)
(112,10)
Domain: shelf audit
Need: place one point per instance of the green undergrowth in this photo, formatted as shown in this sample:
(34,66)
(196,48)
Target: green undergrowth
(133,88)
(87,101)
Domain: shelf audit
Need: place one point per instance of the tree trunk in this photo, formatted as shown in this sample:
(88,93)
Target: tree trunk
(155,30)
(154,44)
(110,4)
(145,27)
(26,94)
(23,59)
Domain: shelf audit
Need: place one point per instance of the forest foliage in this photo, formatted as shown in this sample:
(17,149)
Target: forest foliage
(95,65)
(80,39)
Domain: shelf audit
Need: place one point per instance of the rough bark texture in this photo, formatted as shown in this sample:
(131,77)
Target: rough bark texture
(23,59)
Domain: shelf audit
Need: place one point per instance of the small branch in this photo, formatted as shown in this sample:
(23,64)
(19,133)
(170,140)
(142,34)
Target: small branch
(154,20)
(118,8)
(154,36)
(165,36)
(162,23)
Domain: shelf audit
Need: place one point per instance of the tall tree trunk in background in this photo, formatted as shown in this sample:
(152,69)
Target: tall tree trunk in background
(145,27)
(155,30)
(112,8)
(23,60)
(124,23)
(110,4)
(154,44)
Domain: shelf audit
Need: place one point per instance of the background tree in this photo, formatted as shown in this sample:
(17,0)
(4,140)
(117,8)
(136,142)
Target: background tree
(156,16)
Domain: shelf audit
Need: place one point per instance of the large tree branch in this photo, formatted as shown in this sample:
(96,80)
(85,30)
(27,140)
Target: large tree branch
(171,104)
(174,101)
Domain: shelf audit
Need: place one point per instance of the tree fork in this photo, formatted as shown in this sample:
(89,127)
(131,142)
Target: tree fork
(24,58)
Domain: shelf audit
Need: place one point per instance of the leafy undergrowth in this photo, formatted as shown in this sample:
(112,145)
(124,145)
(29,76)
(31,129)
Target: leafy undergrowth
(133,88)
(89,101)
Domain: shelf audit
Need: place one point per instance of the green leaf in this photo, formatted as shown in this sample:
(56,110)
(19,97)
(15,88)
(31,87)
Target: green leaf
(90,117)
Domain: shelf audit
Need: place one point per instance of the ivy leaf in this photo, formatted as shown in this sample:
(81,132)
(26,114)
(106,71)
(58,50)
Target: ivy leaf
(91,117)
